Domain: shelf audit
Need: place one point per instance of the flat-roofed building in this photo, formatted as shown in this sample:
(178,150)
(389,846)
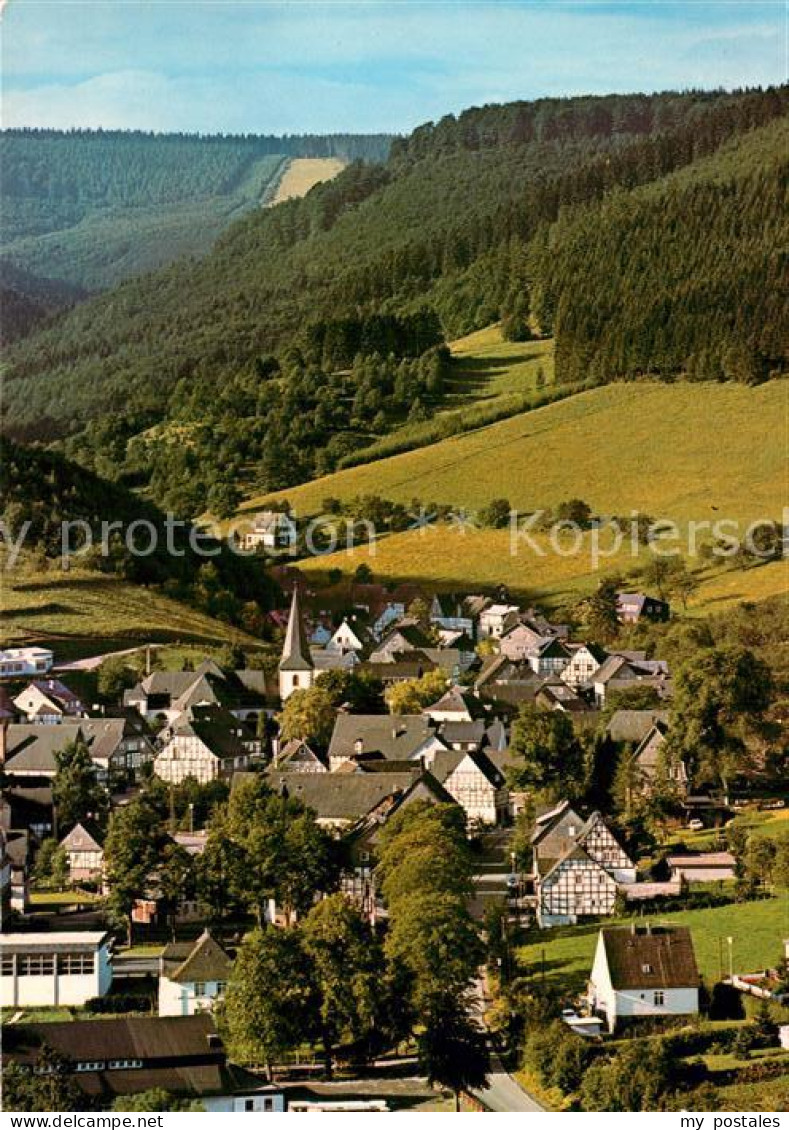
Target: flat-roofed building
(40,970)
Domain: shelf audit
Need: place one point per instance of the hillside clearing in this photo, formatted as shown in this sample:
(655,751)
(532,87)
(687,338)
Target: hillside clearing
(302,174)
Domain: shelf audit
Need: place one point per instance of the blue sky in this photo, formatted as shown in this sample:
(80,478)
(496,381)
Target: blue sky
(251,65)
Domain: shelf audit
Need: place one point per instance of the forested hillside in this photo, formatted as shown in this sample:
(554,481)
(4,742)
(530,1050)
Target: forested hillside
(27,300)
(41,491)
(95,207)
(642,231)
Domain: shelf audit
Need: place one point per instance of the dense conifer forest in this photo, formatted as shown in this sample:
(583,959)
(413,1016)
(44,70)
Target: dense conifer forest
(94,207)
(643,232)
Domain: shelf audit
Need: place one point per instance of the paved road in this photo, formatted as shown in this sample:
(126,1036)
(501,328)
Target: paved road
(94,661)
(502,1094)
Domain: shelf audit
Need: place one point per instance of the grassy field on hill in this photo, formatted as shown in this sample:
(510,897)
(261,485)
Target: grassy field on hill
(50,604)
(682,451)
(490,380)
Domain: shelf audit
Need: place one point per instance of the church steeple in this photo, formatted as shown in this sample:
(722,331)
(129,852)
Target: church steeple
(296,668)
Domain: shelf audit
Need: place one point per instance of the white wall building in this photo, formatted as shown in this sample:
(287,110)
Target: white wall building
(192,976)
(48,970)
(644,973)
(19,661)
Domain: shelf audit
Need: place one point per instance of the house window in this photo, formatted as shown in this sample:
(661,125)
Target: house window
(646,968)
(7,966)
(249,1104)
(90,1065)
(659,998)
(199,988)
(76,964)
(36,965)
(268,1104)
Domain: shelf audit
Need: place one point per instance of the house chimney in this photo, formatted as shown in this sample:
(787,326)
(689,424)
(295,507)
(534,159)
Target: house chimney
(358,746)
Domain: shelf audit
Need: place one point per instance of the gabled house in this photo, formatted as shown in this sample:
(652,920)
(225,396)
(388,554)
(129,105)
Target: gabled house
(271,529)
(619,673)
(520,641)
(651,766)
(389,614)
(455,705)
(578,866)
(644,972)
(163,695)
(585,660)
(401,668)
(557,695)
(340,800)
(405,636)
(549,658)
(447,612)
(206,743)
(633,607)
(119,748)
(296,756)
(48,701)
(362,839)
(473,781)
(496,620)
(85,854)
(398,737)
(632,726)
(348,637)
(193,976)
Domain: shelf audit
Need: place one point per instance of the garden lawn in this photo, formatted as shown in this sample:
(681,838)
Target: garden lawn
(757,930)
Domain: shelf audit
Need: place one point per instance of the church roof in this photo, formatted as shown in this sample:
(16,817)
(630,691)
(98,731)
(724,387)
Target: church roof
(296,651)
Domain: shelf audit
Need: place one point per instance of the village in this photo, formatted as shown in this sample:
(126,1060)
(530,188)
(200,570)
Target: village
(552,754)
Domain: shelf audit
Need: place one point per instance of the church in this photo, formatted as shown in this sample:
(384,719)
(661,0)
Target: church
(296,667)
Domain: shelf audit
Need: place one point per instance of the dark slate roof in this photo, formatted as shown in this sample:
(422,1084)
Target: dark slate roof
(174,1038)
(296,649)
(445,762)
(31,747)
(175,1050)
(396,736)
(216,728)
(455,701)
(342,796)
(203,960)
(633,725)
(407,665)
(79,839)
(660,959)
(57,692)
(463,732)
(294,748)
